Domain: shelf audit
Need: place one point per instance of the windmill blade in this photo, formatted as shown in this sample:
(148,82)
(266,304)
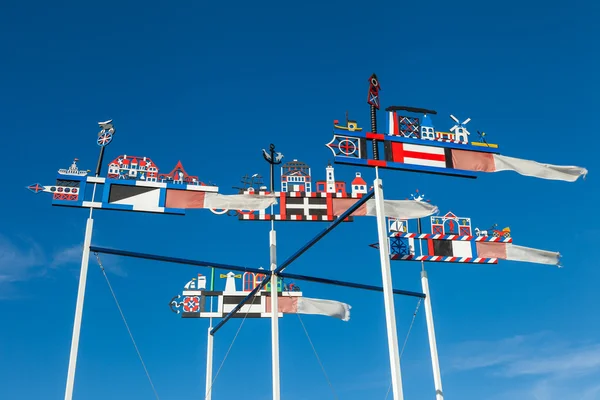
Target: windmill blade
(466,121)
(454,118)
(453,128)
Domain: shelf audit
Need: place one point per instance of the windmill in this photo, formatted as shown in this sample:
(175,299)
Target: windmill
(460,132)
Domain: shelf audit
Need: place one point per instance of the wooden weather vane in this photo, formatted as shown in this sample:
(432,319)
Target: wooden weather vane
(304,198)
(413,143)
(193,302)
(135,183)
(452,239)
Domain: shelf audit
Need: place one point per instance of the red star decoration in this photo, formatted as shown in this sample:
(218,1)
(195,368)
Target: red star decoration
(35,188)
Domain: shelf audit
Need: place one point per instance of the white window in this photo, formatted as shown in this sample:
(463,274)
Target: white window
(427,133)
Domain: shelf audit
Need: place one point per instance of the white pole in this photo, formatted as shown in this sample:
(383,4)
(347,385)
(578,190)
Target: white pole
(435,363)
(210,344)
(79,307)
(274,317)
(209,362)
(388,294)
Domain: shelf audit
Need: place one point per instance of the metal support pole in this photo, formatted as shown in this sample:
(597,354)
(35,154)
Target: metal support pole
(274,318)
(274,292)
(435,363)
(210,344)
(209,363)
(85,258)
(388,294)
(107,130)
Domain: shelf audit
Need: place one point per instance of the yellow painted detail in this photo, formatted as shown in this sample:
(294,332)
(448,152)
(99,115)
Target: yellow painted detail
(493,146)
(351,126)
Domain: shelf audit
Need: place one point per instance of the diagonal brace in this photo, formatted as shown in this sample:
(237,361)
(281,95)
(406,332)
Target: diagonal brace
(294,256)
(228,267)
(325,231)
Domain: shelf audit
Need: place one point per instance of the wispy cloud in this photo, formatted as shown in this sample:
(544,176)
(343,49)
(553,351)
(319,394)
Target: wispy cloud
(22,260)
(72,255)
(552,368)
(68,255)
(575,360)
(114,268)
(18,263)
(537,354)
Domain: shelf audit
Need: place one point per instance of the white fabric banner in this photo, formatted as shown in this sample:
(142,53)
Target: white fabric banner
(403,209)
(328,308)
(539,170)
(238,201)
(527,254)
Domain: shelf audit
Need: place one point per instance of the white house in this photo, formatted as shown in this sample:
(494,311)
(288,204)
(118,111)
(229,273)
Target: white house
(427,131)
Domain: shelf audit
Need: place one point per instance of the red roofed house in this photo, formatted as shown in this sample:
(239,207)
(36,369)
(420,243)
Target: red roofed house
(358,184)
(132,167)
(178,175)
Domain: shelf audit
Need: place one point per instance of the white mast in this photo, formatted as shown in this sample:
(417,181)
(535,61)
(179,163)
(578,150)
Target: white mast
(209,360)
(388,294)
(435,363)
(108,130)
(210,344)
(85,258)
(274,315)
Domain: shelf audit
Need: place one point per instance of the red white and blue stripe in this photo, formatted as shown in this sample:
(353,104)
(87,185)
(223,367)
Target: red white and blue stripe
(498,239)
(471,260)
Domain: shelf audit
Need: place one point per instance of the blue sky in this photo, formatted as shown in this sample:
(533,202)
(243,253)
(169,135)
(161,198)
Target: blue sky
(211,85)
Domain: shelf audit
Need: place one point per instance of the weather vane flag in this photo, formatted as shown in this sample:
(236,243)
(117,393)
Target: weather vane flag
(136,183)
(193,301)
(302,198)
(452,239)
(413,143)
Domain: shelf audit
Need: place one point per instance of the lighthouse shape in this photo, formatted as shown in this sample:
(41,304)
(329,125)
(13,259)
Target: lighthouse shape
(230,282)
(330,179)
